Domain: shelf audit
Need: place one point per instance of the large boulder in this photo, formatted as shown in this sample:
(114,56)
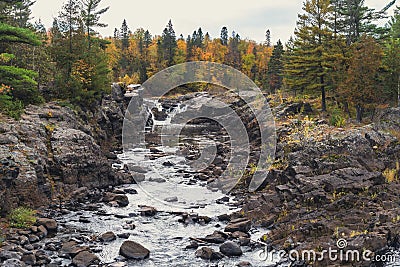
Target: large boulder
(230,248)
(132,250)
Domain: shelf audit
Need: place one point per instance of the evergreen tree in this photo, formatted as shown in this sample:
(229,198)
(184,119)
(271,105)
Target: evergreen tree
(168,44)
(268,38)
(233,58)
(21,81)
(224,36)
(91,17)
(308,64)
(275,68)
(124,35)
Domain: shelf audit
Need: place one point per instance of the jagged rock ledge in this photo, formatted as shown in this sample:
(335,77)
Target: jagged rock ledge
(54,150)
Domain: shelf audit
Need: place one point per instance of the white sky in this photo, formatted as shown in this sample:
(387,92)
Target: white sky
(249,18)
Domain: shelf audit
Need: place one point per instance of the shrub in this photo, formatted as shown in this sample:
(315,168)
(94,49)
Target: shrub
(390,175)
(9,106)
(22,217)
(337,119)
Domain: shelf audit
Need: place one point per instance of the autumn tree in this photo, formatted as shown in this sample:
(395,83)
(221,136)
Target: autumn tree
(361,87)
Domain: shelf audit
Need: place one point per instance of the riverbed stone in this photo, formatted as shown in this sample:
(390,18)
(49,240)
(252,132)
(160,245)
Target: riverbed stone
(50,224)
(13,263)
(207,253)
(108,237)
(242,225)
(230,248)
(148,211)
(133,250)
(85,259)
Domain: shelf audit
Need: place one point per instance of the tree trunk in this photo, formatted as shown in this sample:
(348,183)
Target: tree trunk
(398,92)
(323,94)
(346,108)
(359,113)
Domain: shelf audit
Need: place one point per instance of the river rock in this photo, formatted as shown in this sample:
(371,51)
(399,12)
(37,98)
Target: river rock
(13,263)
(148,211)
(215,238)
(85,259)
(50,224)
(133,250)
(120,199)
(230,248)
(244,264)
(242,225)
(108,237)
(72,248)
(208,254)
(171,199)
(29,259)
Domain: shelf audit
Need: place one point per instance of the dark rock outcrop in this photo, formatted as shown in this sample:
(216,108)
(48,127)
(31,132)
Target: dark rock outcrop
(54,150)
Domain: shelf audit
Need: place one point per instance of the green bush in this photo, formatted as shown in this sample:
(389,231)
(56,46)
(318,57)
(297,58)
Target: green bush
(22,217)
(337,118)
(11,108)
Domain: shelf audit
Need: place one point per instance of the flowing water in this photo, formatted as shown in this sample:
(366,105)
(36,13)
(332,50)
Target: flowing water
(167,176)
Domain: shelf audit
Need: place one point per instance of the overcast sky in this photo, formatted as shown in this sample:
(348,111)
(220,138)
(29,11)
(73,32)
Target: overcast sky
(249,18)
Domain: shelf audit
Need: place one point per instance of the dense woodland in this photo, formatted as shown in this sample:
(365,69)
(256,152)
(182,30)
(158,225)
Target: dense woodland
(338,54)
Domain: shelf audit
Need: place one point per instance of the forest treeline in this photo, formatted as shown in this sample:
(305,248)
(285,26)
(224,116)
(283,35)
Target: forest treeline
(337,53)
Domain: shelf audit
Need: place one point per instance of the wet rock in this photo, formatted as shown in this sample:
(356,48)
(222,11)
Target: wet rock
(242,225)
(108,237)
(13,263)
(222,200)
(121,200)
(208,254)
(224,217)
(148,211)
(50,224)
(124,235)
(167,164)
(133,250)
(42,231)
(193,245)
(215,238)
(72,248)
(23,240)
(171,199)
(230,248)
(244,264)
(80,193)
(5,255)
(33,238)
(29,259)
(130,191)
(85,219)
(118,264)
(137,169)
(85,258)
(159,115)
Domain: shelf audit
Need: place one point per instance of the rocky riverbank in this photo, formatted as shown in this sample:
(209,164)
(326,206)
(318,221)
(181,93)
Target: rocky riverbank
(54,150)
(326,184)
